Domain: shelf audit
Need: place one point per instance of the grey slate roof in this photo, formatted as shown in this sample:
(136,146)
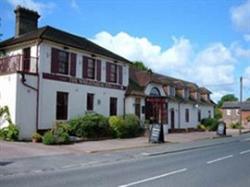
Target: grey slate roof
(236,105)
(62,37)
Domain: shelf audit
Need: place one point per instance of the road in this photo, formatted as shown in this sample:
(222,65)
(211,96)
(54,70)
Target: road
(226,164)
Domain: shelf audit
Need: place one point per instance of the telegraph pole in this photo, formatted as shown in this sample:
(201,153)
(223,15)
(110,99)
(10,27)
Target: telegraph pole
(241,91)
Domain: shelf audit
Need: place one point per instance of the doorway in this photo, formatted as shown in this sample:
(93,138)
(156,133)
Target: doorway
(172,117)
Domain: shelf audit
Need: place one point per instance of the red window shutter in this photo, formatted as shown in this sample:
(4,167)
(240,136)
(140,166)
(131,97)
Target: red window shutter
(85,67)
(54,60)
(73,64)
(120,74)
(99,69)
(107,72)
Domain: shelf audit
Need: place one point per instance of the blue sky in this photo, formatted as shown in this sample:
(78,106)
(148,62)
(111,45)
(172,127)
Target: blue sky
(205,41)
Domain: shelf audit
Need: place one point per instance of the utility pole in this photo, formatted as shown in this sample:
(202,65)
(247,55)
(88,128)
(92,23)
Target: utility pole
(241,91)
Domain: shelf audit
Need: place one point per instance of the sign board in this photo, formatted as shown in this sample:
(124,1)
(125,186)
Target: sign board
(156,132)
(221,130)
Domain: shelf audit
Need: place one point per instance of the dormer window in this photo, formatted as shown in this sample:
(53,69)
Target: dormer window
(172,91)
(186,93)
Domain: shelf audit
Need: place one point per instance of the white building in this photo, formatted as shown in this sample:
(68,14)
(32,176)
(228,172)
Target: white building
(178,104)
(48,75)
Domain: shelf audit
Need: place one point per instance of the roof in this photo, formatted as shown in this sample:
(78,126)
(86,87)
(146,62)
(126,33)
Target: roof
(140,79)
(236,105)
(62,37)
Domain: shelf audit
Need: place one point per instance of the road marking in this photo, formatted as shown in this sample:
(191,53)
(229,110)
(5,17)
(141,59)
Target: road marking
(219,159)
(244,152)
(154,178)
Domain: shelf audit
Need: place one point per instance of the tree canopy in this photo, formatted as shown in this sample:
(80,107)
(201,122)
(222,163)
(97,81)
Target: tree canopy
(248,99)
(228,97)
(140,66)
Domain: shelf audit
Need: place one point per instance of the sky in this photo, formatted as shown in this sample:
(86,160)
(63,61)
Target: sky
(203,41)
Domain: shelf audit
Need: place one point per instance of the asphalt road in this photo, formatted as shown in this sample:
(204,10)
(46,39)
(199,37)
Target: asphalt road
(222,165)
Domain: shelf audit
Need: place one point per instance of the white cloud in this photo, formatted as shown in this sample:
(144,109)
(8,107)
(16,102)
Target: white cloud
(213,66)
(135,48)
(33,5)
(240,16)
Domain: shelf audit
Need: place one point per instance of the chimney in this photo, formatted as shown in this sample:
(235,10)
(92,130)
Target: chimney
(26,20)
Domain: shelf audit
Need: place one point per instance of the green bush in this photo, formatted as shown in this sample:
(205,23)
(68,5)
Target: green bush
(9,133)
(202,127)
(92,125)
(210,123)
(57,135)
(49,138)
(235,126)
(125,128)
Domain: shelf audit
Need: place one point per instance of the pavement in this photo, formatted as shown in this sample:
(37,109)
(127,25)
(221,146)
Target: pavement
(215,162)
(13,150)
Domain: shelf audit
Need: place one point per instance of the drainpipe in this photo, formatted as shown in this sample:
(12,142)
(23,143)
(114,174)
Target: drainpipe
(23,80)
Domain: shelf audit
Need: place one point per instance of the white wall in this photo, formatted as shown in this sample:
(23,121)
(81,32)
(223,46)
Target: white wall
(8,91)
(205,111)
(130,106)
(26,106)
(77,100)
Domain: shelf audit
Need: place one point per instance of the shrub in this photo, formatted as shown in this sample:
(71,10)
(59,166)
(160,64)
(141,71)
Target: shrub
(210,123)
(92,125)
(117,125)
(235,126)
(49,138)
(57,135)
(202,127)
(9,133)
(37,137)
(125,128)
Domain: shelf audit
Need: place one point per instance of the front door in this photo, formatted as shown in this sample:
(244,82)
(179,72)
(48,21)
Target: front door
(172,119)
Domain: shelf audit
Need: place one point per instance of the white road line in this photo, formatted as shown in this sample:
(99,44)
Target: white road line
(244,152)
(219,159)
(154,178)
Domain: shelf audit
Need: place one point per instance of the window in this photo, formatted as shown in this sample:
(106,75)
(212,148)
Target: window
(91,68)
(113,73)
(155,92)
(26,59)
(62,106)
(187,115)
(228,112)
(209,114)
(186,93)
(113,106)
(172,91)
(63,62)
(138,107)
(199,115)
(90,102)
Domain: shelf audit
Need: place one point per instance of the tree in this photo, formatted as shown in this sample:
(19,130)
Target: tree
(228,97)
(139,66)
(248,99)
